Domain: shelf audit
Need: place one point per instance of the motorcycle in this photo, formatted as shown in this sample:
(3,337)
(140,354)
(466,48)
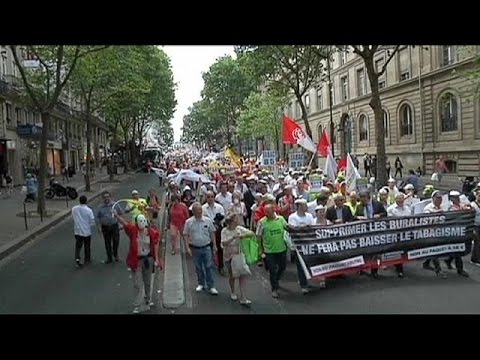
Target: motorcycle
(57,189)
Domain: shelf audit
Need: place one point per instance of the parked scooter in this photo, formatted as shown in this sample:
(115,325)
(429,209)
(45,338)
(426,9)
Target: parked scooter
(57,189)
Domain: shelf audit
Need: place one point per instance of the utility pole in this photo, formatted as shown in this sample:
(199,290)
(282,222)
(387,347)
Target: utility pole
(330,86)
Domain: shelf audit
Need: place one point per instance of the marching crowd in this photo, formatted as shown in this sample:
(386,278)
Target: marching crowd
(240,202)
(213,218)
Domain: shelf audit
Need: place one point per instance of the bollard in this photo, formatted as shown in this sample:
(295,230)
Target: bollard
(25,214)
(66,199)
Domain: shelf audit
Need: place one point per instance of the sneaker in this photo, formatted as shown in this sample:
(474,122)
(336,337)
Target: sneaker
(213,291)
(199,288)
(246,303)
(475,263)
(322,284)
(136,310)
(400,275)
(78,263)
(234,297)
(275,294)
(305,291)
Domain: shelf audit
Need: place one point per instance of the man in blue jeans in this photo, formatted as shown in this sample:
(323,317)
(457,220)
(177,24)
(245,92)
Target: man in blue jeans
(199,235)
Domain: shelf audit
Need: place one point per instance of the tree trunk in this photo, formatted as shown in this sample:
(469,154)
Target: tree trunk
(112,158)
(126,157)
(89,150)
(376,106)
(43,163)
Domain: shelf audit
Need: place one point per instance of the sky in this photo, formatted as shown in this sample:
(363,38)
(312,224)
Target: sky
(188,63)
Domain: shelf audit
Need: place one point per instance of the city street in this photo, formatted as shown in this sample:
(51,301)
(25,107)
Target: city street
(42,279)
(420,292)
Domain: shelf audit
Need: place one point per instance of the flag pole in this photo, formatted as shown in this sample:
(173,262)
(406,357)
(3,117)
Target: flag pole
(310,163)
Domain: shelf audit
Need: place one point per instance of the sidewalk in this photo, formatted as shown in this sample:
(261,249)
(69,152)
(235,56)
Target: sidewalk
(12,222)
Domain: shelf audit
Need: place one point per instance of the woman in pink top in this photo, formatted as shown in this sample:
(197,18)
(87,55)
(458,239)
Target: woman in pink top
(178,217)
(231,236)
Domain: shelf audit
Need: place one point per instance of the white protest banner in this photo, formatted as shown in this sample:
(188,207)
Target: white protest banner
(352,175)
(296,160)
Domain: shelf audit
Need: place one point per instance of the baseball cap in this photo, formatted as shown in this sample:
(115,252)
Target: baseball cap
(134,192)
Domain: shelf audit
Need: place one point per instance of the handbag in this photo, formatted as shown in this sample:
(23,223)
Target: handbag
(251,250)
(239,265)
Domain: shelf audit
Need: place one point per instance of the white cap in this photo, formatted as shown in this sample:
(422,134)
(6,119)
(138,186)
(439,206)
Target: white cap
(269,197)
(409,187)
(187,188)
(320,207)
(300,201)
(134,192)
(436,193)
(372,180)
(454,193)
(383,192)
(391,180)
(324,189)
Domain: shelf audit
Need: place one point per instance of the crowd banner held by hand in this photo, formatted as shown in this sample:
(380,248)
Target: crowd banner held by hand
(341,249)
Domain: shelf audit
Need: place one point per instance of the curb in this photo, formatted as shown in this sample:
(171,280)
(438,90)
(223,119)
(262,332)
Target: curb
(173,281)
(17,243)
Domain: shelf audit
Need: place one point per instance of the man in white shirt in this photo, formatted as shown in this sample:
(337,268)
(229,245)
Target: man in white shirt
(224,198)
(434,207)
(83,220)
(211,208)
(399,208)
(301,218)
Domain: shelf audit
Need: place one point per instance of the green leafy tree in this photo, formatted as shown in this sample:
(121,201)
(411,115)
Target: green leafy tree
(227,85)
(261,117)
(43,84)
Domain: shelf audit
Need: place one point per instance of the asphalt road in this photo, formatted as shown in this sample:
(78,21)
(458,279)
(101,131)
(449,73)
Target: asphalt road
(419,292)
(42,278)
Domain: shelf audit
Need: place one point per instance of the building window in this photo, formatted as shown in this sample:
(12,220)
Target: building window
(448,113)
(404,63)
(333,92)
(363,127)
(406,121)
(320,132)
(385,123)
(451,166)
(378,66)
(344,82)
(319,99)
(343,57)
(8,108)
(361,82)
(449,55)
(381,84)
(405,75)
(18,115)
(307,102)
(4,64)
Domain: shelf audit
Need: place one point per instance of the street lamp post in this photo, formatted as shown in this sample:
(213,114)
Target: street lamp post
(332,125)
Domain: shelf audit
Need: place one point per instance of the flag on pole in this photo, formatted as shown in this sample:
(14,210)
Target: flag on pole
(234,157)
(294,134)
(352,175)
(324,145)
(330,170)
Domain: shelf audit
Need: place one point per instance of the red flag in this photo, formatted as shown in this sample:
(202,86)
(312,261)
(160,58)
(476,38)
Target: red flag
(289,127)
(324,144)
(342,164)
(294,134)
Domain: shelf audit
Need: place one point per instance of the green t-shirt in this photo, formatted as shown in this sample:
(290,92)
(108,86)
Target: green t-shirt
(273,232)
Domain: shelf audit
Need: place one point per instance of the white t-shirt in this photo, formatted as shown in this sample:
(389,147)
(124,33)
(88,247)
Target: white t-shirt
(225,201)
(211,211)
(395,210)
(83,220)
(296,220)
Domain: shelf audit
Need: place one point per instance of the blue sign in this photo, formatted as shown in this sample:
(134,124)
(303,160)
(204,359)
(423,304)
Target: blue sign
(29,131)
(269,157)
